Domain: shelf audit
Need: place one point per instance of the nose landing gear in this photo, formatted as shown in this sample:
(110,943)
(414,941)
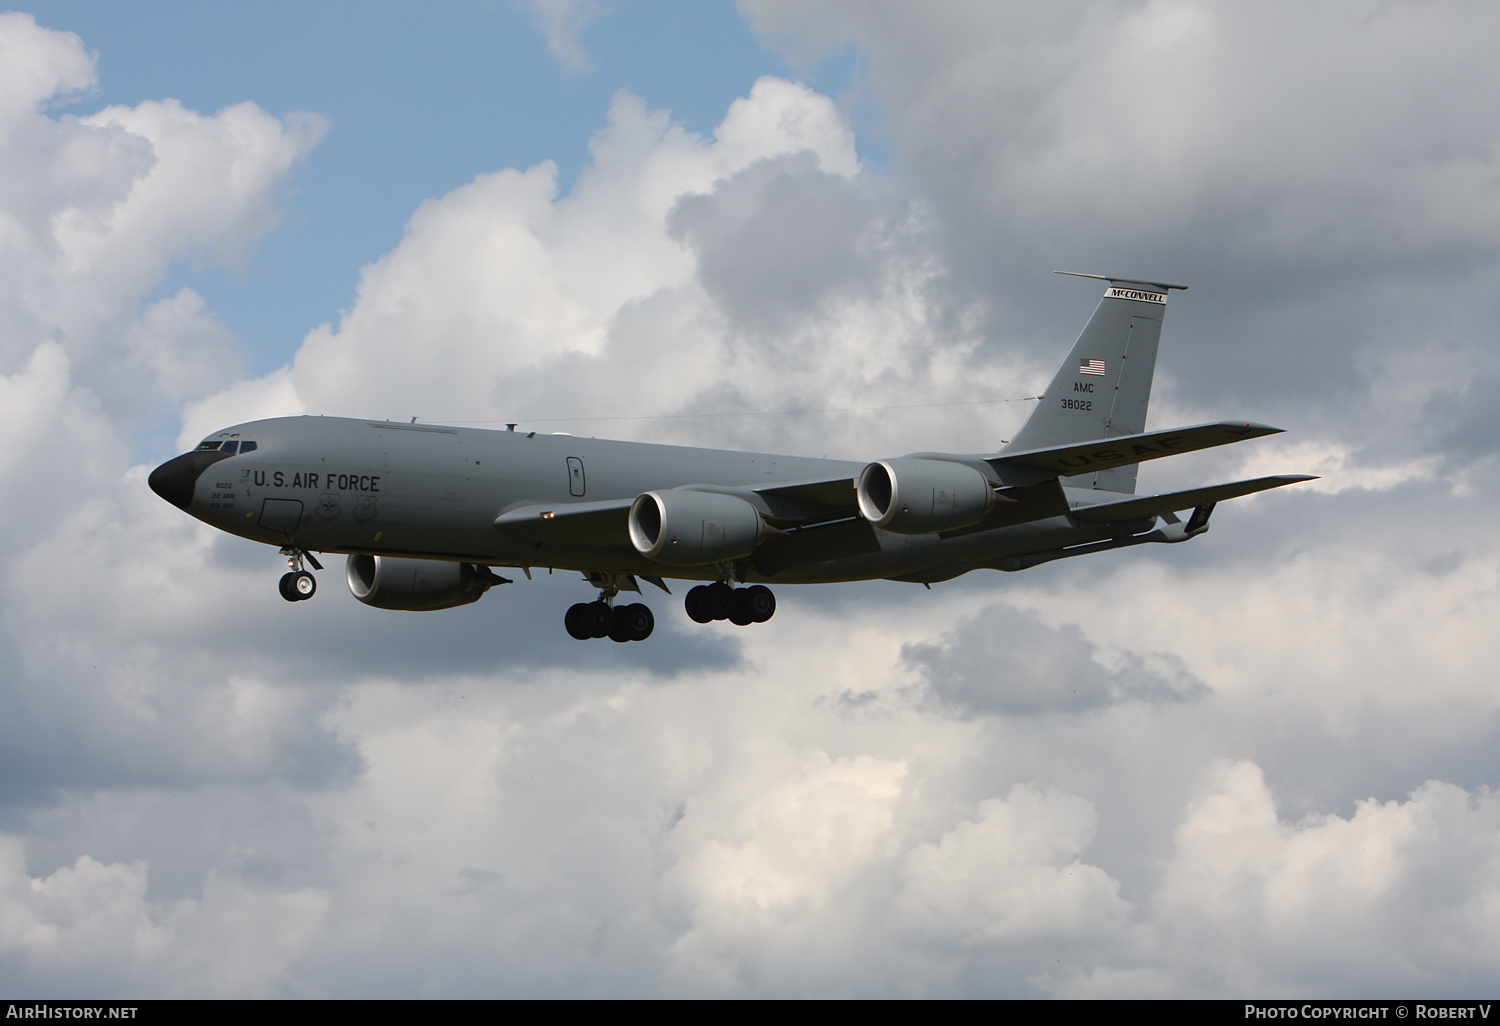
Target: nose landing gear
(298,584)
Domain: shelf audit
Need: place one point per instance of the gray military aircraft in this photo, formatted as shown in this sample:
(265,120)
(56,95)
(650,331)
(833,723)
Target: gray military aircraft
(423,512)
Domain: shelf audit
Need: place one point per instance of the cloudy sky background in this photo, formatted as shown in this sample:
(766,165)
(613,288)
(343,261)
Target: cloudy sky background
(1260,764)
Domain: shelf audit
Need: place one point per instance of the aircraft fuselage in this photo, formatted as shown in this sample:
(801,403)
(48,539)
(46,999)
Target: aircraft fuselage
(424,511)
(331,484)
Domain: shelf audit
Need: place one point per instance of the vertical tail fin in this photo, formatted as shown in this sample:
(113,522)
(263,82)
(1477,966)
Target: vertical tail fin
(1104,386)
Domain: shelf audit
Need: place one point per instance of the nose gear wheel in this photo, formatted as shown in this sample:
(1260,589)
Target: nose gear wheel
(299,584)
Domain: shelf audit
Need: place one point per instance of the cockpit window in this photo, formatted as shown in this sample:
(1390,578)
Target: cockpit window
(227,447)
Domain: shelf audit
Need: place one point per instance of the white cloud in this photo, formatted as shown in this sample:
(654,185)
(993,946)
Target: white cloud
(1399,896)
(1142,772)
(96,917)
(36,64)
(561,21)
(1012,876)
(1167,116)
(94,209)
(1325,180)
(1002,661)
(663,255)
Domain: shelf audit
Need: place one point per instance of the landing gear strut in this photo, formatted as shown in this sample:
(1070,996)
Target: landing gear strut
(299,584)
(740,606)
(603,619)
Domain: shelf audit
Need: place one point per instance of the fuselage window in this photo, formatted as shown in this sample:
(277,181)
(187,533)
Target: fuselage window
(228,447)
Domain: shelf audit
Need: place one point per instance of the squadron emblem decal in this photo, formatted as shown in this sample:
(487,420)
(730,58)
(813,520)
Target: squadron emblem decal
(328,506)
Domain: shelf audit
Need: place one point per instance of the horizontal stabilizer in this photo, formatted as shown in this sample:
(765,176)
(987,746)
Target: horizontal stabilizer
(1156,505)
(1161,286)
(1123,450)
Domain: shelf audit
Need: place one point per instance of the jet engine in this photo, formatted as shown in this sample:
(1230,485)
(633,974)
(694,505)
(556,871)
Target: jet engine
(682,527)
(416,584)
(920,496)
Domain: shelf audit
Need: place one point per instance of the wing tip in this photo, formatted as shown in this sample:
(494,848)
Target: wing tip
(1250,426)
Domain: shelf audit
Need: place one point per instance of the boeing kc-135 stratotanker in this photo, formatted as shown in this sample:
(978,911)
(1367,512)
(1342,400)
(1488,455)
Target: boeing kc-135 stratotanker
(424,512)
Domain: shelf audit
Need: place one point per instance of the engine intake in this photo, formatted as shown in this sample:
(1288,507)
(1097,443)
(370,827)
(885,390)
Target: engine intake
(416,584)
(682,527)
(921,496)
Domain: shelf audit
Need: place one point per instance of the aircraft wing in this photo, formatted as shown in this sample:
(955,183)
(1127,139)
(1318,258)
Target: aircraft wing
(850,537)
(1108,453)
(1156,505)
(1019,505)
(810,502)
(798,504)
(600,523)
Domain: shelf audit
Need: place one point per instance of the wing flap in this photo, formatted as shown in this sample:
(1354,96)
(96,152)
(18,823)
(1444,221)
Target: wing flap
(1107,453)
(1156,505)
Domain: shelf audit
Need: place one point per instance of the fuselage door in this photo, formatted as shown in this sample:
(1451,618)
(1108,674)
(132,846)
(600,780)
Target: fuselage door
(575,476)
(281,515)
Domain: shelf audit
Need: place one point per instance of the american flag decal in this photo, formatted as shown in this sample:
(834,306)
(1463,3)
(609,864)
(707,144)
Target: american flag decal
(1094,367)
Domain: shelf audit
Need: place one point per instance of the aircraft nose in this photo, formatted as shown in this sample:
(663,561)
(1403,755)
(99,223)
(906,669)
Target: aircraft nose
(175,479)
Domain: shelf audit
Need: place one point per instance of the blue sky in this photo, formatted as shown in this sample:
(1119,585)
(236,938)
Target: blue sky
(420,97)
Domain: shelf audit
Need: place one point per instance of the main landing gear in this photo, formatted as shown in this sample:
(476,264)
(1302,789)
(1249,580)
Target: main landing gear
(603,619)
(298,584)
(740,606)
(705,603)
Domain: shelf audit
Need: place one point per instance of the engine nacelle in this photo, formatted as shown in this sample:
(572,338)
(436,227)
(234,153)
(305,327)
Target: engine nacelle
(682,527)
(416,584)
(921,496)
